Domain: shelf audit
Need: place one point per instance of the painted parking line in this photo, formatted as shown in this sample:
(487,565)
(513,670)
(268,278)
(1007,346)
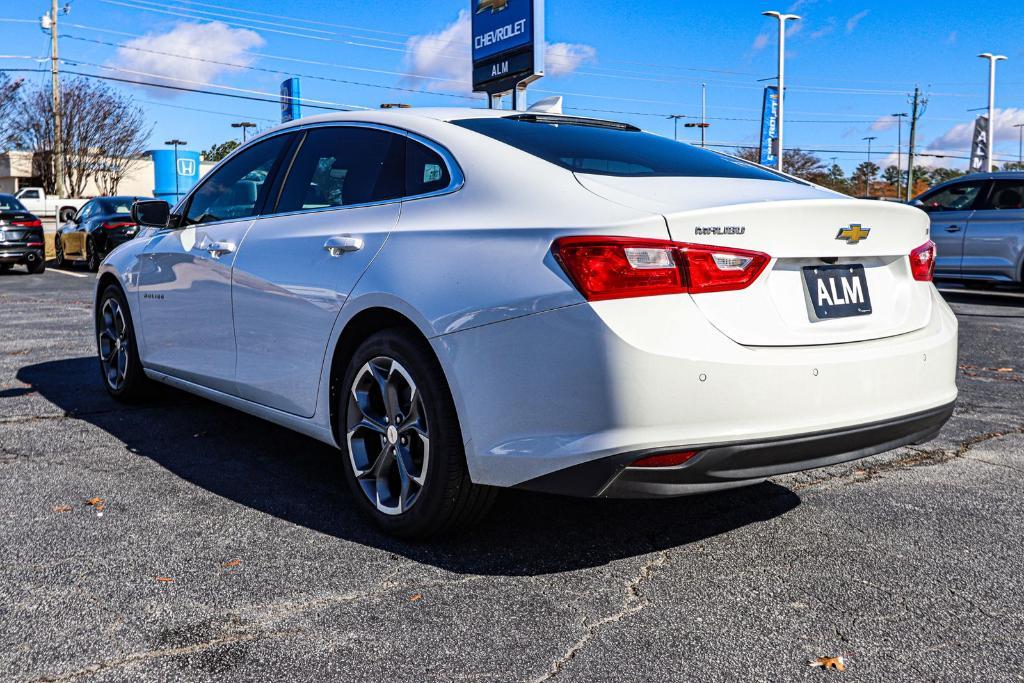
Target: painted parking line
(66,272)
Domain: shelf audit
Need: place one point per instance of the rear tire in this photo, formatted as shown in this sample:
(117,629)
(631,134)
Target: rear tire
(37,267)
(404,459)
(118,353)
(66,214)
(5,267)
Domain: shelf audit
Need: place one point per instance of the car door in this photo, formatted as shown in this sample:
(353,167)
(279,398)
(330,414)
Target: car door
(185,271)
(338,204)
(995,234)
(72,232)
(950,208)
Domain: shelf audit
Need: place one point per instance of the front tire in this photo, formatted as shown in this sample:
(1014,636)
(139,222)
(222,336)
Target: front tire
(118,353)
(404,456)
(58,252)
(93,259)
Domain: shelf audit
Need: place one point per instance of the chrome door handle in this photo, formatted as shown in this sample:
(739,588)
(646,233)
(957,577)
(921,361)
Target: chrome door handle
(953,228)
(339,244)
(218,249)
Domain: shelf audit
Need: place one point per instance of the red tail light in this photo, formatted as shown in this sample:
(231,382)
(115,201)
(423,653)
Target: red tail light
(922,262)
(620,267)
(664,459)
(34,223)
(114,225)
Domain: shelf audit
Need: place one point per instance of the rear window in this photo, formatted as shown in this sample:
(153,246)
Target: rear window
(117,205)
(605,148)
(9,203)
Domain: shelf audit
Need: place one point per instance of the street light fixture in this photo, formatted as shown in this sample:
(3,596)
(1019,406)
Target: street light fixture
(675,124)
(702,125)
(867,182)
(244,125)
(782,18)
(175,142)
(992,59)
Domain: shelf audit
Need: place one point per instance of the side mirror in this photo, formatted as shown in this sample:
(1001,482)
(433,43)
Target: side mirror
(151,213)
(918,203)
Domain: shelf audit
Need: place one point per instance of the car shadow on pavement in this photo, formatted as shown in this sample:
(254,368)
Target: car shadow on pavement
(299,480)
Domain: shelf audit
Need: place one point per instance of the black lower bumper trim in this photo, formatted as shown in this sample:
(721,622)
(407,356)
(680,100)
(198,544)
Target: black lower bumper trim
(725,466)
(20,254)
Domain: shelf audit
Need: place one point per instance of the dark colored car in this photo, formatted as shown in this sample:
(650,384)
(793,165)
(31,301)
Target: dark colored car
(21,237)
(99,226)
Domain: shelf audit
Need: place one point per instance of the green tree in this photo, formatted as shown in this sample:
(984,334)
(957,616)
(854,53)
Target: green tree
(835,179)
(218,151)
(940,175)
(863,176)
(892,175)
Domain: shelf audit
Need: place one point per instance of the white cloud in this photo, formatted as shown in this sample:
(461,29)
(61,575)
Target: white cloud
(760,42)
(825,29)
(959,136)
(851,23)
(212,41)
(884,123)
(443,60)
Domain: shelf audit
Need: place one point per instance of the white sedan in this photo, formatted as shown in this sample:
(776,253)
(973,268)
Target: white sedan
(462,300)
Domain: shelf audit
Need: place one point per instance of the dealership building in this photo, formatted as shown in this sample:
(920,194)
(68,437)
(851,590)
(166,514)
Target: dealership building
(158,173)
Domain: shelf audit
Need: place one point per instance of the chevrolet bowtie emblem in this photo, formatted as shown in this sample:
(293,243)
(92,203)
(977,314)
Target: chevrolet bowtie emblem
(853,234)
(493,5)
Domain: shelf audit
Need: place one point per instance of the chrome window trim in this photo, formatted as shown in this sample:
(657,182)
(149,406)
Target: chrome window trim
(458,178)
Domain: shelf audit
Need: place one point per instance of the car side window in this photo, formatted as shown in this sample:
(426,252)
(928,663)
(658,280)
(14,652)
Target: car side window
(237,188)
(341,166)
(1006,195)
(425,170)
(31,194)
(85,212)
(957,197)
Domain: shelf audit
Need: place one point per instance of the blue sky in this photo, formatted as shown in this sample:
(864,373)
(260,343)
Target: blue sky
(849,64)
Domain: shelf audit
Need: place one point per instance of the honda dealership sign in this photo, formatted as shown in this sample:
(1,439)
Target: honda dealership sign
(508,44)
(291,97)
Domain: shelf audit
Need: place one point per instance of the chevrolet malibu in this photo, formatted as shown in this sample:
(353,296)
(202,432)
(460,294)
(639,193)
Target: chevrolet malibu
(466,300)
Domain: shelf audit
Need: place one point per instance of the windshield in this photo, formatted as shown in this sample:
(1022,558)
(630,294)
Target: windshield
(9,203)
(606,148)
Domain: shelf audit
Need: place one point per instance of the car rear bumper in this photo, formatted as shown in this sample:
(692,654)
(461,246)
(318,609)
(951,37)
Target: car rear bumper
(718,467)
(545,393)
(20,254)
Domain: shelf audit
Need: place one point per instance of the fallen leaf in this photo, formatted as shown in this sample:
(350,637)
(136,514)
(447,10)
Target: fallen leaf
(232,563)
(62,508)
(94,501)
(1004,369)
(836,663)
(415,598)
(100,508)
(165,579)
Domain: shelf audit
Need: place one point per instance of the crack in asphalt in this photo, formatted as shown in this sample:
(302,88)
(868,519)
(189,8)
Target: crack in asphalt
(631,604)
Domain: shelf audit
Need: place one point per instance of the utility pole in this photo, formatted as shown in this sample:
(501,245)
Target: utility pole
(899,151)
(867,181)
(1020,142)
(703,110)
(990,147)
(783,18)
(916,111)
(675,125)
(58,156)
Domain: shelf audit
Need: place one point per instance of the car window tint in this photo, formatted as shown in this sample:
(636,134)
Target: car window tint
(425,170)
(116,205)
(85,211)
(31,194)
(341,166)
(1005,195)
(235,189)
(606,148)
(9,203)
(957,197)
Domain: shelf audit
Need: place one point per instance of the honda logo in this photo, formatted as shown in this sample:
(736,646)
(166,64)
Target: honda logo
(187,167)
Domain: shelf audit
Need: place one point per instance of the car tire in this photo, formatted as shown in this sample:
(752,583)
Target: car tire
(391,373)
(5,267)
(92,258)
(58,252)
(118,354)
(37,267)
(66,214)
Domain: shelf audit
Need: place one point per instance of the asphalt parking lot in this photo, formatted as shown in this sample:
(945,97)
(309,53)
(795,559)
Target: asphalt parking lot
(225,548)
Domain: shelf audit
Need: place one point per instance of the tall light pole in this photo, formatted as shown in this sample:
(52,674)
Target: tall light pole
(867,182)
(783,18)
(899,149)
(1020,142)
(244,125)
(992,59)
(176,142)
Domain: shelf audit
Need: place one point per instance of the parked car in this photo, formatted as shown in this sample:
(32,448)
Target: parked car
(977,224)
(464,299)
(21,237)
(99,226)
(46,205)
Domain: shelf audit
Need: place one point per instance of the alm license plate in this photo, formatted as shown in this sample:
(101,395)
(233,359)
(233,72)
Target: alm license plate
(837,291)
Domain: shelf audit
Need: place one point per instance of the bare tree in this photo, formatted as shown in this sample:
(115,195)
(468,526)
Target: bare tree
(102,136)
(10,93)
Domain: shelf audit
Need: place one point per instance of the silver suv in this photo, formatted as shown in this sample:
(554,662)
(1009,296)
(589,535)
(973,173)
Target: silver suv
(978,227)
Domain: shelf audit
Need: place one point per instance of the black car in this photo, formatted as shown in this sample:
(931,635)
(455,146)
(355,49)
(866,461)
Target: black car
(21,237)
(99,226)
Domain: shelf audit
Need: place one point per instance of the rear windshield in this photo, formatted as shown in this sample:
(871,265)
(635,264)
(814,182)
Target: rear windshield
(117,205)
(604,148)
(9,203)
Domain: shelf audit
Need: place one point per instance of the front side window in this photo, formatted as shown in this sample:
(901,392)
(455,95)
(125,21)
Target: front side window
(31,194)
(958,197)
(85,211)
(1006,195)
(237,188)
(607,148)
(342,166)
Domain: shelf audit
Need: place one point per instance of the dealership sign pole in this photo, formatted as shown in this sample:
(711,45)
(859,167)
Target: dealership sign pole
(507,47)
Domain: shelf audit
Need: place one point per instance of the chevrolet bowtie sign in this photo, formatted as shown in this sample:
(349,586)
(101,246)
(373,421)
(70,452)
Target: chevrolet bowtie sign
(508,44)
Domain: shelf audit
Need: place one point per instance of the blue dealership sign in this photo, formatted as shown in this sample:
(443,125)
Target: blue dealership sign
(770,127)
(174,174)
(508,43)
(291,95)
